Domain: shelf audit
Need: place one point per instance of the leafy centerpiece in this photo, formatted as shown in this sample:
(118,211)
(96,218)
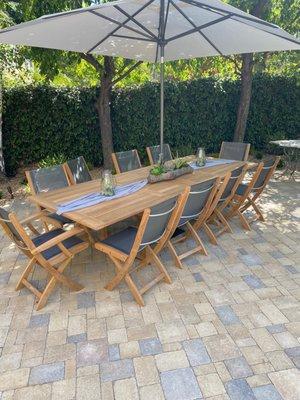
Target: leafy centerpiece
(169,170)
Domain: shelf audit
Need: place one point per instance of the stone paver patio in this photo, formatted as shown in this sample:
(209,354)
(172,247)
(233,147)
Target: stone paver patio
(228,327)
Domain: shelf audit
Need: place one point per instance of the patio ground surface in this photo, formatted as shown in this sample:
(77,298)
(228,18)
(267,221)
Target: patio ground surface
(228,327)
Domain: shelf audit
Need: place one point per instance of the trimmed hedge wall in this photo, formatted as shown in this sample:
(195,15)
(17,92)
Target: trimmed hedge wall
(41,121)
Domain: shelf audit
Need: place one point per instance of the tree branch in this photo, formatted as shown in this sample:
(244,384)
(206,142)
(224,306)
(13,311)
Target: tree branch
(238,68)
(93,61)
(123,75)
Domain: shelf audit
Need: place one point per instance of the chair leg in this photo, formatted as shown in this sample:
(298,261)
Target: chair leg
(174,255)
(196,238)
(222,219)
(25,274)
(210,234)
(160,265)
(72,285)
(244,221)
(258,212)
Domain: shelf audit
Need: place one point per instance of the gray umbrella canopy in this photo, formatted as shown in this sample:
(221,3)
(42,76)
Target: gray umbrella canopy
(153,31)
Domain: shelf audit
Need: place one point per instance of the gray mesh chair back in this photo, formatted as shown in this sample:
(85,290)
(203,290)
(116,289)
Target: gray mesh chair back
(155,152)
(158,221)
(234,151)
(79,170)
(197,200)
(235,175)
(264,176)
(4,220)
(128,160)
(47,179)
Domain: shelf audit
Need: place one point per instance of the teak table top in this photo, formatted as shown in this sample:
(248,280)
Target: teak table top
(107,213)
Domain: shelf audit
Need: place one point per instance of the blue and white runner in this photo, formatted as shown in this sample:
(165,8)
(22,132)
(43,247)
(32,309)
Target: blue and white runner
(96,198)
(211,163)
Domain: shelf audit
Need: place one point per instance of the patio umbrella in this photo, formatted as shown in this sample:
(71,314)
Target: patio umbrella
(153,31)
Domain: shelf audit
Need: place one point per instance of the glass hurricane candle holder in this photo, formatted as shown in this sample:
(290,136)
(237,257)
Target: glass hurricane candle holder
(201,157)
(108,184)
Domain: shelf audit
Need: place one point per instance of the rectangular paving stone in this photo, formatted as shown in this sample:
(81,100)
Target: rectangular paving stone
(227,315)
(291,269)
(221,347)
(196,352)
(4,277)
(239,389)
(278,328)
(266,392)
(180,384)
(287,383)
(86,300)
(276,254)
(198,277)
(115,370)
(81,337)
(47,373)
(150,346)
(39,320)
(251,259)
(114,352)
(253,282)
(92,352)
(293,352)
(238,368)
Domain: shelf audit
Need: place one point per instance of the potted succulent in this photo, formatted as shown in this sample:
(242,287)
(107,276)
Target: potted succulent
(169,170)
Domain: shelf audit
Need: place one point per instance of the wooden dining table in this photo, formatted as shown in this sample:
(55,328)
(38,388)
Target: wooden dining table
(107,213)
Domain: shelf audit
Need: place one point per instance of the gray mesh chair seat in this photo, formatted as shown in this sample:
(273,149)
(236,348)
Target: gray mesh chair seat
(241,190)
(77,171)
(123,240)
(228,191)
(55,250)
(234,151)
(126,161)
(154,153)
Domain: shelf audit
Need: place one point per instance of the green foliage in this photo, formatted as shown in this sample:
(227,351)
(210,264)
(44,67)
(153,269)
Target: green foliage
(44,121)
(50,161)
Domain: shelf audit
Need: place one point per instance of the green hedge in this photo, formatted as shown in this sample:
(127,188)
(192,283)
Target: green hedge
(41,121)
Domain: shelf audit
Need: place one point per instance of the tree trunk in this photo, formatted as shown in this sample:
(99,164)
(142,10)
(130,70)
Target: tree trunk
(246,80)
(103,108)
(245,97)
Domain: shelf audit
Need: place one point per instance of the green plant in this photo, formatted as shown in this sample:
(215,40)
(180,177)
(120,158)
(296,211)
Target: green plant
(42,121)
(158,170)
(1,194)
(50,161)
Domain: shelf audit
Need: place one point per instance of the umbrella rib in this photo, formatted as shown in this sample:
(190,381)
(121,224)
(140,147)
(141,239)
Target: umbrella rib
(121,25)
(217,9)
(136,22)
(195,26)
(133,38)
(198,28)
(167,15)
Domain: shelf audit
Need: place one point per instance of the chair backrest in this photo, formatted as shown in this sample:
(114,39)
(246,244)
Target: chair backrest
(77,171)
(158,221)
(47,179)
(235,178)
(126,161)
(10,229)
(266,173)
(235,151)
(198,199)
(154,153)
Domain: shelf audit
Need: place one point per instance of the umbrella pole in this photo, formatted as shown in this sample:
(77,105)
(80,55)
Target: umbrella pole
(162,79)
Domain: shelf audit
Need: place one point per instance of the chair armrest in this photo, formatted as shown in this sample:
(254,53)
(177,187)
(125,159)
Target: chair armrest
(58,239)
(34,217)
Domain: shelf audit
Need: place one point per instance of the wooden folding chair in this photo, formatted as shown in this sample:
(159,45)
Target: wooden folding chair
(77,171)
(247,193)
(236,177)
(53,251)
(196,211)
(126,161)
(235,151)
(44,180)
(145,243)
(154,153)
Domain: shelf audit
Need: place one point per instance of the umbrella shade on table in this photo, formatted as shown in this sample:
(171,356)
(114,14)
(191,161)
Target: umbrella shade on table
(153,31)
